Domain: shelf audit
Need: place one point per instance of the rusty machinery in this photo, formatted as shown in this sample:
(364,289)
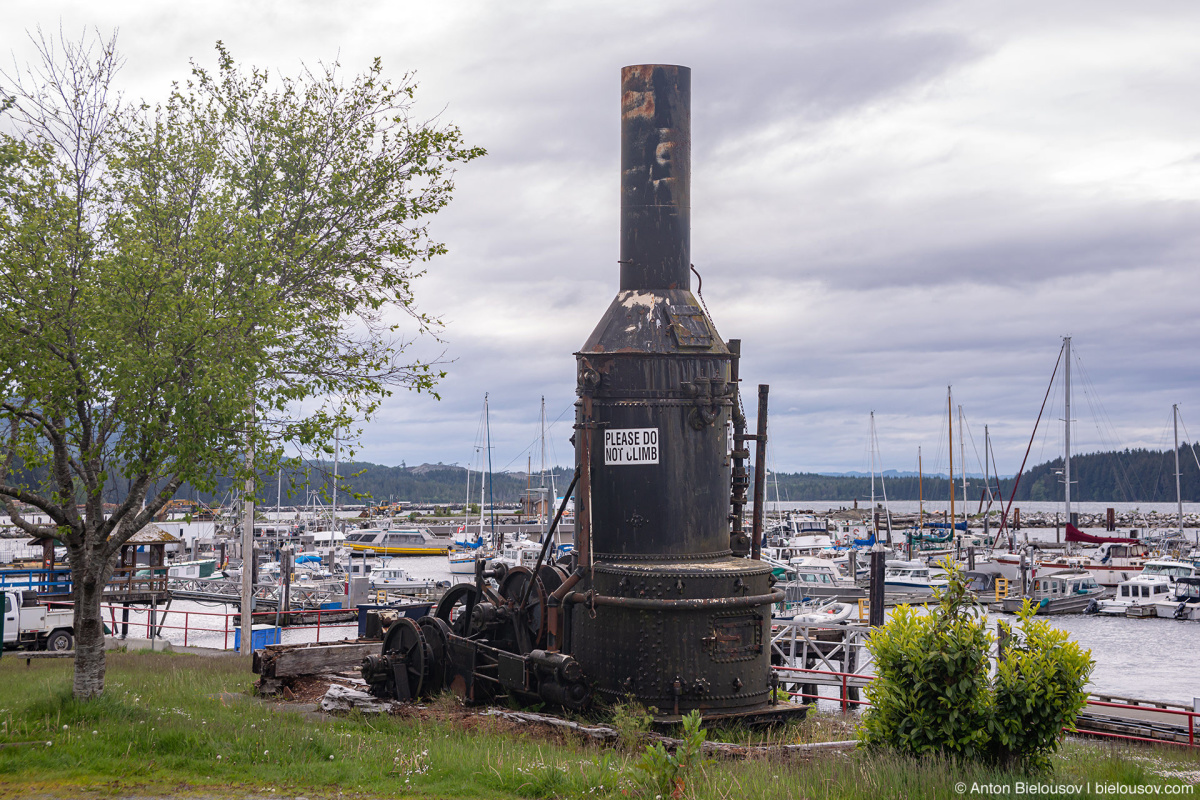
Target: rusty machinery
(659,601)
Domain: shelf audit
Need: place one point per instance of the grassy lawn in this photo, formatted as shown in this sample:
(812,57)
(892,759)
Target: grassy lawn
(181,724)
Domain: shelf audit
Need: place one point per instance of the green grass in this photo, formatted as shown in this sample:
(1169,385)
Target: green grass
(179,723)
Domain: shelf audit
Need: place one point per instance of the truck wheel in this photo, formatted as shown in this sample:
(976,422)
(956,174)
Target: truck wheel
(59,641)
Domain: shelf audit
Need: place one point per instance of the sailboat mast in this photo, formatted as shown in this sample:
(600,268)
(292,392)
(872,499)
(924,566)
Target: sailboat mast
(871,445)
(1178,493)
(1067,430)
(467,505)
(950,424)
(544,502)
(487,421)
(337,451)
(962,461)
(920,490)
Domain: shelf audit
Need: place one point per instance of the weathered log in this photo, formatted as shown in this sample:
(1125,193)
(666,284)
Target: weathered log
(342,699)
(722,749)
(289,661)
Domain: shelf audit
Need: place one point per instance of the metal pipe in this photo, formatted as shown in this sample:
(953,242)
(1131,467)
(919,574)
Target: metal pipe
(654,604)
(656,166)
(760,472)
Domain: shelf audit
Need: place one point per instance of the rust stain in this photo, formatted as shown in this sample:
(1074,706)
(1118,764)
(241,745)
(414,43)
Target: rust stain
(637,104)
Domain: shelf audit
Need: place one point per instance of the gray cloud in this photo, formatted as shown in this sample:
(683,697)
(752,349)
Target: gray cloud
(888,198)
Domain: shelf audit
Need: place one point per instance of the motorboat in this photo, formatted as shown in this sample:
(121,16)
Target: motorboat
(911,577)
(394,578)
(1139,596)
(1183,602)
(1068,591)
(1136,597)
(397,542)
(820,579)
(525,553)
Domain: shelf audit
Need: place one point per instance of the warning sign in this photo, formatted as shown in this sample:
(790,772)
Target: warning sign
(631,446)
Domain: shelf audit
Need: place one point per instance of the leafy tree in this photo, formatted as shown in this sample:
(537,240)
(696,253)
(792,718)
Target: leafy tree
(186,282)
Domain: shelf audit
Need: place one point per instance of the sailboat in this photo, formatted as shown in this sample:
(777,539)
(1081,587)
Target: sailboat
(463,554)
(1116,559)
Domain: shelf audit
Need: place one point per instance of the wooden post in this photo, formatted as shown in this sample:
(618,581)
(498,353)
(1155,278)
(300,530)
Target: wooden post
(876,589)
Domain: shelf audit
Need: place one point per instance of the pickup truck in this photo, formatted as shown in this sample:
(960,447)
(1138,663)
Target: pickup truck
(32,626)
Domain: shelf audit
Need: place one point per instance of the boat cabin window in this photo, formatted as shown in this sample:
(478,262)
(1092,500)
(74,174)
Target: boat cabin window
(1145,591)
(1160,589)
(1124,591)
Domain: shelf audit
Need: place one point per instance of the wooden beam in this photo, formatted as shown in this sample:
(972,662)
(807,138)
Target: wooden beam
(286,661)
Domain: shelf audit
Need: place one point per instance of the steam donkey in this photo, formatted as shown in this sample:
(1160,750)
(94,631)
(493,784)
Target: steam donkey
(658,601)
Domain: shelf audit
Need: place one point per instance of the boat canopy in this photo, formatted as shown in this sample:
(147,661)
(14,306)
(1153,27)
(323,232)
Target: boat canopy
(1076,535)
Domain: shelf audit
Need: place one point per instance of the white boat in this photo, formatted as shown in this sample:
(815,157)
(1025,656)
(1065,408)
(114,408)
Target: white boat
(818,578)
(397,542)
(1183,602)
(397,579)
(461,557)
(829,613)
(911,577)
(1136,597)
(521,553)
(323,541)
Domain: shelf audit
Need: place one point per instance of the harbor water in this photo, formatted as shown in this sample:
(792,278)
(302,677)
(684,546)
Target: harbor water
(1150,659)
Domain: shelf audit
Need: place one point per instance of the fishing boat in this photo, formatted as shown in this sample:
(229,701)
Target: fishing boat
(402,542)
(1183,602)
(1069,591)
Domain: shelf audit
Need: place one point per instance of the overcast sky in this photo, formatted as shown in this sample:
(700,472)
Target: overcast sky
(887,198)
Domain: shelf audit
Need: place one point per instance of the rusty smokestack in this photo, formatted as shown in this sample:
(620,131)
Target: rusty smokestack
(656,177)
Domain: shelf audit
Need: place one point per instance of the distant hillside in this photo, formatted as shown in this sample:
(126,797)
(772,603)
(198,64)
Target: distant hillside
(1134,476)
(1142,476)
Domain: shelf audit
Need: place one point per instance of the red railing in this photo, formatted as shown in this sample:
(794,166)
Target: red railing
(846,702)
(211,624)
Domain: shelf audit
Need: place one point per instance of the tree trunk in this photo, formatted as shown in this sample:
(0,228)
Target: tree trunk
(89,576)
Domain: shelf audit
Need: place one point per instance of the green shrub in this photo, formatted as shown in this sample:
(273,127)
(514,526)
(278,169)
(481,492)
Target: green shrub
(931,693)
(1038,692)
(934,692)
